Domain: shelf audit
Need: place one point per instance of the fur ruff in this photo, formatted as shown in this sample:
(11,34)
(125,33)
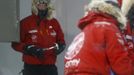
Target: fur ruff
(126,5)
(50,9)
(102,6)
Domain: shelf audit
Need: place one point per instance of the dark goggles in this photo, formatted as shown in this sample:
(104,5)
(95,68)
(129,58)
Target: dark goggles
(43,2)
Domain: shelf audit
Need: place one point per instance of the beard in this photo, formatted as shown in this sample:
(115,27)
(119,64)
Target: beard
(42,13)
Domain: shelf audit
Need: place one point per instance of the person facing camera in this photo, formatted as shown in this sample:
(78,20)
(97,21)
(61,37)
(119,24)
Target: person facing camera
(41,40)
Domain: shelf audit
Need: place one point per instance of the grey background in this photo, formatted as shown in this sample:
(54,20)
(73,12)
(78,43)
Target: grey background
(8,20)
(68,12)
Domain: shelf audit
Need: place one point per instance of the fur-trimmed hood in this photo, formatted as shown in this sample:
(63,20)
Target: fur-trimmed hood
(49,6)
(126,5)
(102,6)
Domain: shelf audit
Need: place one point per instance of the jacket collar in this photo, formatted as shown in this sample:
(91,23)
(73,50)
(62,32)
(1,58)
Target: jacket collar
(96,17)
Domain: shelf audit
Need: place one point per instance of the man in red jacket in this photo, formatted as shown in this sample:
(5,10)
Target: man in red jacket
(41,40)
(100,46)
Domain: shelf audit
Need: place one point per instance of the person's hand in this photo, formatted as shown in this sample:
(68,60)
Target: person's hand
(34,51)
(60,48)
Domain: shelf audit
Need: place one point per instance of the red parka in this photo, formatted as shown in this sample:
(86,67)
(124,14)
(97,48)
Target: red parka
(44,35)
(99,47)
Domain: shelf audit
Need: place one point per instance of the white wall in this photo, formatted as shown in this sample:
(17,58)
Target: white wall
(10,61)
(68,12)
(8,18)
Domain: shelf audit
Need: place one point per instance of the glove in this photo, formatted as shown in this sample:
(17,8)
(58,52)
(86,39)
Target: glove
(60,48)
(34,51)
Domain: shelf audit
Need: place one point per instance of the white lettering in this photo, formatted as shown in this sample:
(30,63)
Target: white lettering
(72,63)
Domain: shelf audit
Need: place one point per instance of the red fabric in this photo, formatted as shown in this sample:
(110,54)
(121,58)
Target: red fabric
(130,43)
(120,2)
(42,36)
(101,46)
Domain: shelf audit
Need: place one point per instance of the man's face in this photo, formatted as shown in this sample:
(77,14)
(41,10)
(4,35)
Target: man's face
(41,6)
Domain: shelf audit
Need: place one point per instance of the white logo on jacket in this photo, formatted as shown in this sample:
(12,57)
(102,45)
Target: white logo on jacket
(72,63)
(33,31)
(75,46)
(102,23)
(33,34)
(53,32)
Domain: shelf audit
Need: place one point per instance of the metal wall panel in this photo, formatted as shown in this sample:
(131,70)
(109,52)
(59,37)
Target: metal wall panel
(9,16)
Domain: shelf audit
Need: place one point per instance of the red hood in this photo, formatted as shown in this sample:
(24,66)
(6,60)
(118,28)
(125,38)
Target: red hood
(96,16)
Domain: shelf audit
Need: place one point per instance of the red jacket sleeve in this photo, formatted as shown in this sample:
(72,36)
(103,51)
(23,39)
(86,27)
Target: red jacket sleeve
(60,34)
(116,52)
(18,46)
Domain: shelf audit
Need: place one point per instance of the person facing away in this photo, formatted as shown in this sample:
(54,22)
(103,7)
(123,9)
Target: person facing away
(100,46)
(41,40)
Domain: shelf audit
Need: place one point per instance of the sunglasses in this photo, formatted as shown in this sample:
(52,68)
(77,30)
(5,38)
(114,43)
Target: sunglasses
(42,2)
